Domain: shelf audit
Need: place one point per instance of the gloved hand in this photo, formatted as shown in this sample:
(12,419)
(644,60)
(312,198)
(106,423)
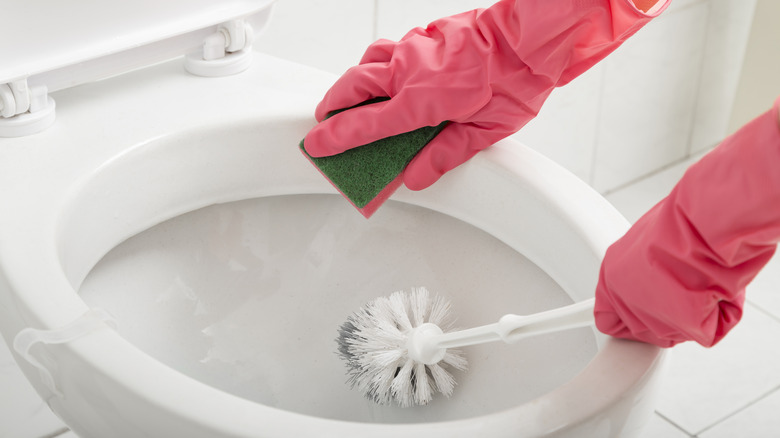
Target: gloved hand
(486,71)
(680,272)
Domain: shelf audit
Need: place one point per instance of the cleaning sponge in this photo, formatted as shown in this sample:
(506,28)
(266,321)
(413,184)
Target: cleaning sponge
(369,174)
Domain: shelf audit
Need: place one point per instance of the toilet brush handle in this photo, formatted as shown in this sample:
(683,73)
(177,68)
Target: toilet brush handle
(512,328)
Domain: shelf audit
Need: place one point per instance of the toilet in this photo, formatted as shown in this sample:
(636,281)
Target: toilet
(171,265)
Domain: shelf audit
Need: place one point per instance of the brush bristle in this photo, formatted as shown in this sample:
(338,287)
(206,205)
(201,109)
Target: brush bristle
(373,343)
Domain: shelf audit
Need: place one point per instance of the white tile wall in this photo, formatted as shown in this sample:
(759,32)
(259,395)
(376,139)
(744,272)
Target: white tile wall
(724,49)
(641,195)
(680,4)
(566,129)
(648,98)
(759,82)
(328,34)
(396,17)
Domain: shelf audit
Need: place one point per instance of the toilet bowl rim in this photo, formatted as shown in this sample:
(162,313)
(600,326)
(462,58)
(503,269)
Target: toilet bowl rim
(76,306)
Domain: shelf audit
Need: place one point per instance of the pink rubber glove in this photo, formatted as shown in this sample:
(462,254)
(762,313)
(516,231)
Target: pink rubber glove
(680,272)
(486,71)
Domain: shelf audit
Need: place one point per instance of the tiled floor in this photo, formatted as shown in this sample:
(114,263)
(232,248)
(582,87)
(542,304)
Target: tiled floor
(730,390)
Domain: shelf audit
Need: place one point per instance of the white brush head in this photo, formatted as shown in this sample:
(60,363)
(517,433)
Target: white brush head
(374,343)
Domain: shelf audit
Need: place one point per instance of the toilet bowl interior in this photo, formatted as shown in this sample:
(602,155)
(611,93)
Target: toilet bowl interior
(281,261)
(247,296)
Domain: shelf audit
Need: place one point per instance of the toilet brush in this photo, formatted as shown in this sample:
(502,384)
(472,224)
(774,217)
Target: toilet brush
(396,349)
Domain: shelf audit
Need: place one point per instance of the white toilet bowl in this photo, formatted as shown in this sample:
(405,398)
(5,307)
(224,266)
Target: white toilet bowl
(158,153)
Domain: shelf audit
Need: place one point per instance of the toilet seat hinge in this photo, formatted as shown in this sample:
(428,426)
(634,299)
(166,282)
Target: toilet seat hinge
(90,321)
(226,52)
(24,110)
(17,98)
(231,37)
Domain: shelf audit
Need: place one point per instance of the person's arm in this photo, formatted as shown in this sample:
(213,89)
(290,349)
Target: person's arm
(487,72)
(680,271)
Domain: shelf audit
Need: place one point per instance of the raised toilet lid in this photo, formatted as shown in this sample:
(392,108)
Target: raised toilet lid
(68,43)
(61,44)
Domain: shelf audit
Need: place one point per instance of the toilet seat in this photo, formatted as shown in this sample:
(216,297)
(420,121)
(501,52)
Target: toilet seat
(81,187)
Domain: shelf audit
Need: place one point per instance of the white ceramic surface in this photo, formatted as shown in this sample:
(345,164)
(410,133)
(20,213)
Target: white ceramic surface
(247,296)
(87,190)
(96,38)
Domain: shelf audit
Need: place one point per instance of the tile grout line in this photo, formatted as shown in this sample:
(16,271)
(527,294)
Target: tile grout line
(375,34)
(698,92)
(596,138)
(761,309)
(673,423)
(698,155)
(738,410)
(689,152)
(757,399)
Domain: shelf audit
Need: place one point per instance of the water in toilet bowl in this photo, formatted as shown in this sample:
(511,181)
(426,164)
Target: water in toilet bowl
(247,297)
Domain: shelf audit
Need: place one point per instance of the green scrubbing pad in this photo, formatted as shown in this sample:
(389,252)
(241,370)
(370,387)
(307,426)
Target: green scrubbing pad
(367,175)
